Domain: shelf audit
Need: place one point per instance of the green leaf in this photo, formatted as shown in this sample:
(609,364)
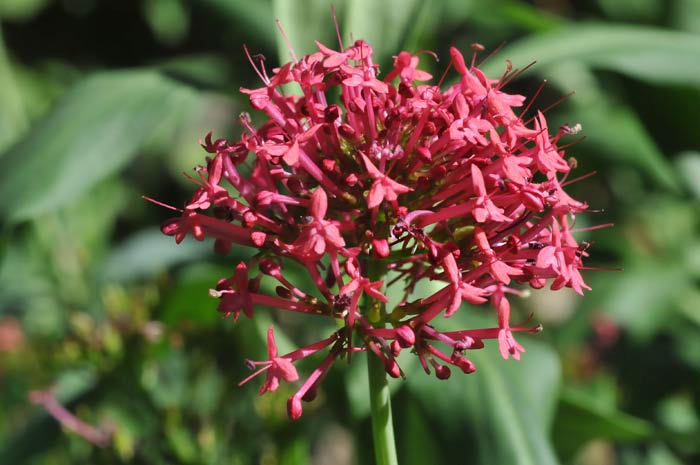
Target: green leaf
(688,166)
(616,132)
(296,452)
(148,253)
(189,300)
(416,431)
(652,289)
(650,54)
(613,131)
(303,21)
(580,419)
(506,406)
(383,24)
(21,9)
(169,20)
(256,16)
(95,130)
(13,117)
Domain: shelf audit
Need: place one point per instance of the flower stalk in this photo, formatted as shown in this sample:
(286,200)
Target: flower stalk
(380,404)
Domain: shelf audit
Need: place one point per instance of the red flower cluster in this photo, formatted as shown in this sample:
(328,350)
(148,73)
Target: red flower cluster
(399,179)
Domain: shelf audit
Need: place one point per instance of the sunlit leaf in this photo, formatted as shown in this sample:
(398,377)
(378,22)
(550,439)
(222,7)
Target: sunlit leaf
(650,54)
(303,21)
(13,117)
(95,130)
(147,253)
(613,131)
(21,9)
(688,164)
(382,24)
(506,406)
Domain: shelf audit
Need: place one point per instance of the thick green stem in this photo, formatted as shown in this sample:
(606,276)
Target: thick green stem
(380,401)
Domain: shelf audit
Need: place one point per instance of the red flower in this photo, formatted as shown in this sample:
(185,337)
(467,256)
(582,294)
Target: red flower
(397,182)
(320,235)
(383,187)
(279,367)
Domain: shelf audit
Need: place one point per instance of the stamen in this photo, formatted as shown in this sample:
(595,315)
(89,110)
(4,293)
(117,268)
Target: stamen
(337,29)
(161,204)
(255,68)
(533,98)
(495,51)
(286,41)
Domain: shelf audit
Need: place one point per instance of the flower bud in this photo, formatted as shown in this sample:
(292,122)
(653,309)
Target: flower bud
(380,248)
(442,371)
(405,336)
(294,409)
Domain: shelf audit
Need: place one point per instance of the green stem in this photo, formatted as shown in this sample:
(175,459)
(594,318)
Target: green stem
(380,402)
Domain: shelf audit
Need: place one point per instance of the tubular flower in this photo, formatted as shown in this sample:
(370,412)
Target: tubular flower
(397,182)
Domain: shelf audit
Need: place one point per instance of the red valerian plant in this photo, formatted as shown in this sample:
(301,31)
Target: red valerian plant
(400,180)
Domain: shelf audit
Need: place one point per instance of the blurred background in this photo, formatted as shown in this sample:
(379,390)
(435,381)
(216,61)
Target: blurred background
(102,102)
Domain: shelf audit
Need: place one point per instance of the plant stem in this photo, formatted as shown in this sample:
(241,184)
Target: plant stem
(380,402)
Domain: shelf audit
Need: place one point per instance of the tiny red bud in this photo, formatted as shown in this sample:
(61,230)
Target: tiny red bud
(443,372)
(405,336)
(381,248)
(222,247)
(294,409)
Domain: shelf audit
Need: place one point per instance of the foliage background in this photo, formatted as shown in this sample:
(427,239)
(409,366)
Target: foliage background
(103,101)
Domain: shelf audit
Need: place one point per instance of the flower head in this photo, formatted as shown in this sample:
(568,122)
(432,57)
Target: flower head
(398,176)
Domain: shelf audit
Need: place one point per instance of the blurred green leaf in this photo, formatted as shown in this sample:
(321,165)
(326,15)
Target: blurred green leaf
(612,129)
(189,300)
(165,379)
(641,298)
(632,10)
(417,431)
(688,166)
(95,130)
(200,70)
(256,16)
(296,452)
(303,21)
(13,117)
(169,19)
(506,406)
(20,9)
(527,16)
(148,253)
(655,453)
(580,419)
(207,389)
(182,443)
(616,131)
(650,54)
(383,24)
(685,15)
(677,413)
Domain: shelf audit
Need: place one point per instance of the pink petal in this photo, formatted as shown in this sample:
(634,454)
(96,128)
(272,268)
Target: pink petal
(376,194)
(285,369)
(319,203)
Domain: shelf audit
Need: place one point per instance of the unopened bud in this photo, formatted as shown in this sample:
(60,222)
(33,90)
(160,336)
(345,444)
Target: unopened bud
(442,371)
(381,248)
(405,336)
(294,409)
